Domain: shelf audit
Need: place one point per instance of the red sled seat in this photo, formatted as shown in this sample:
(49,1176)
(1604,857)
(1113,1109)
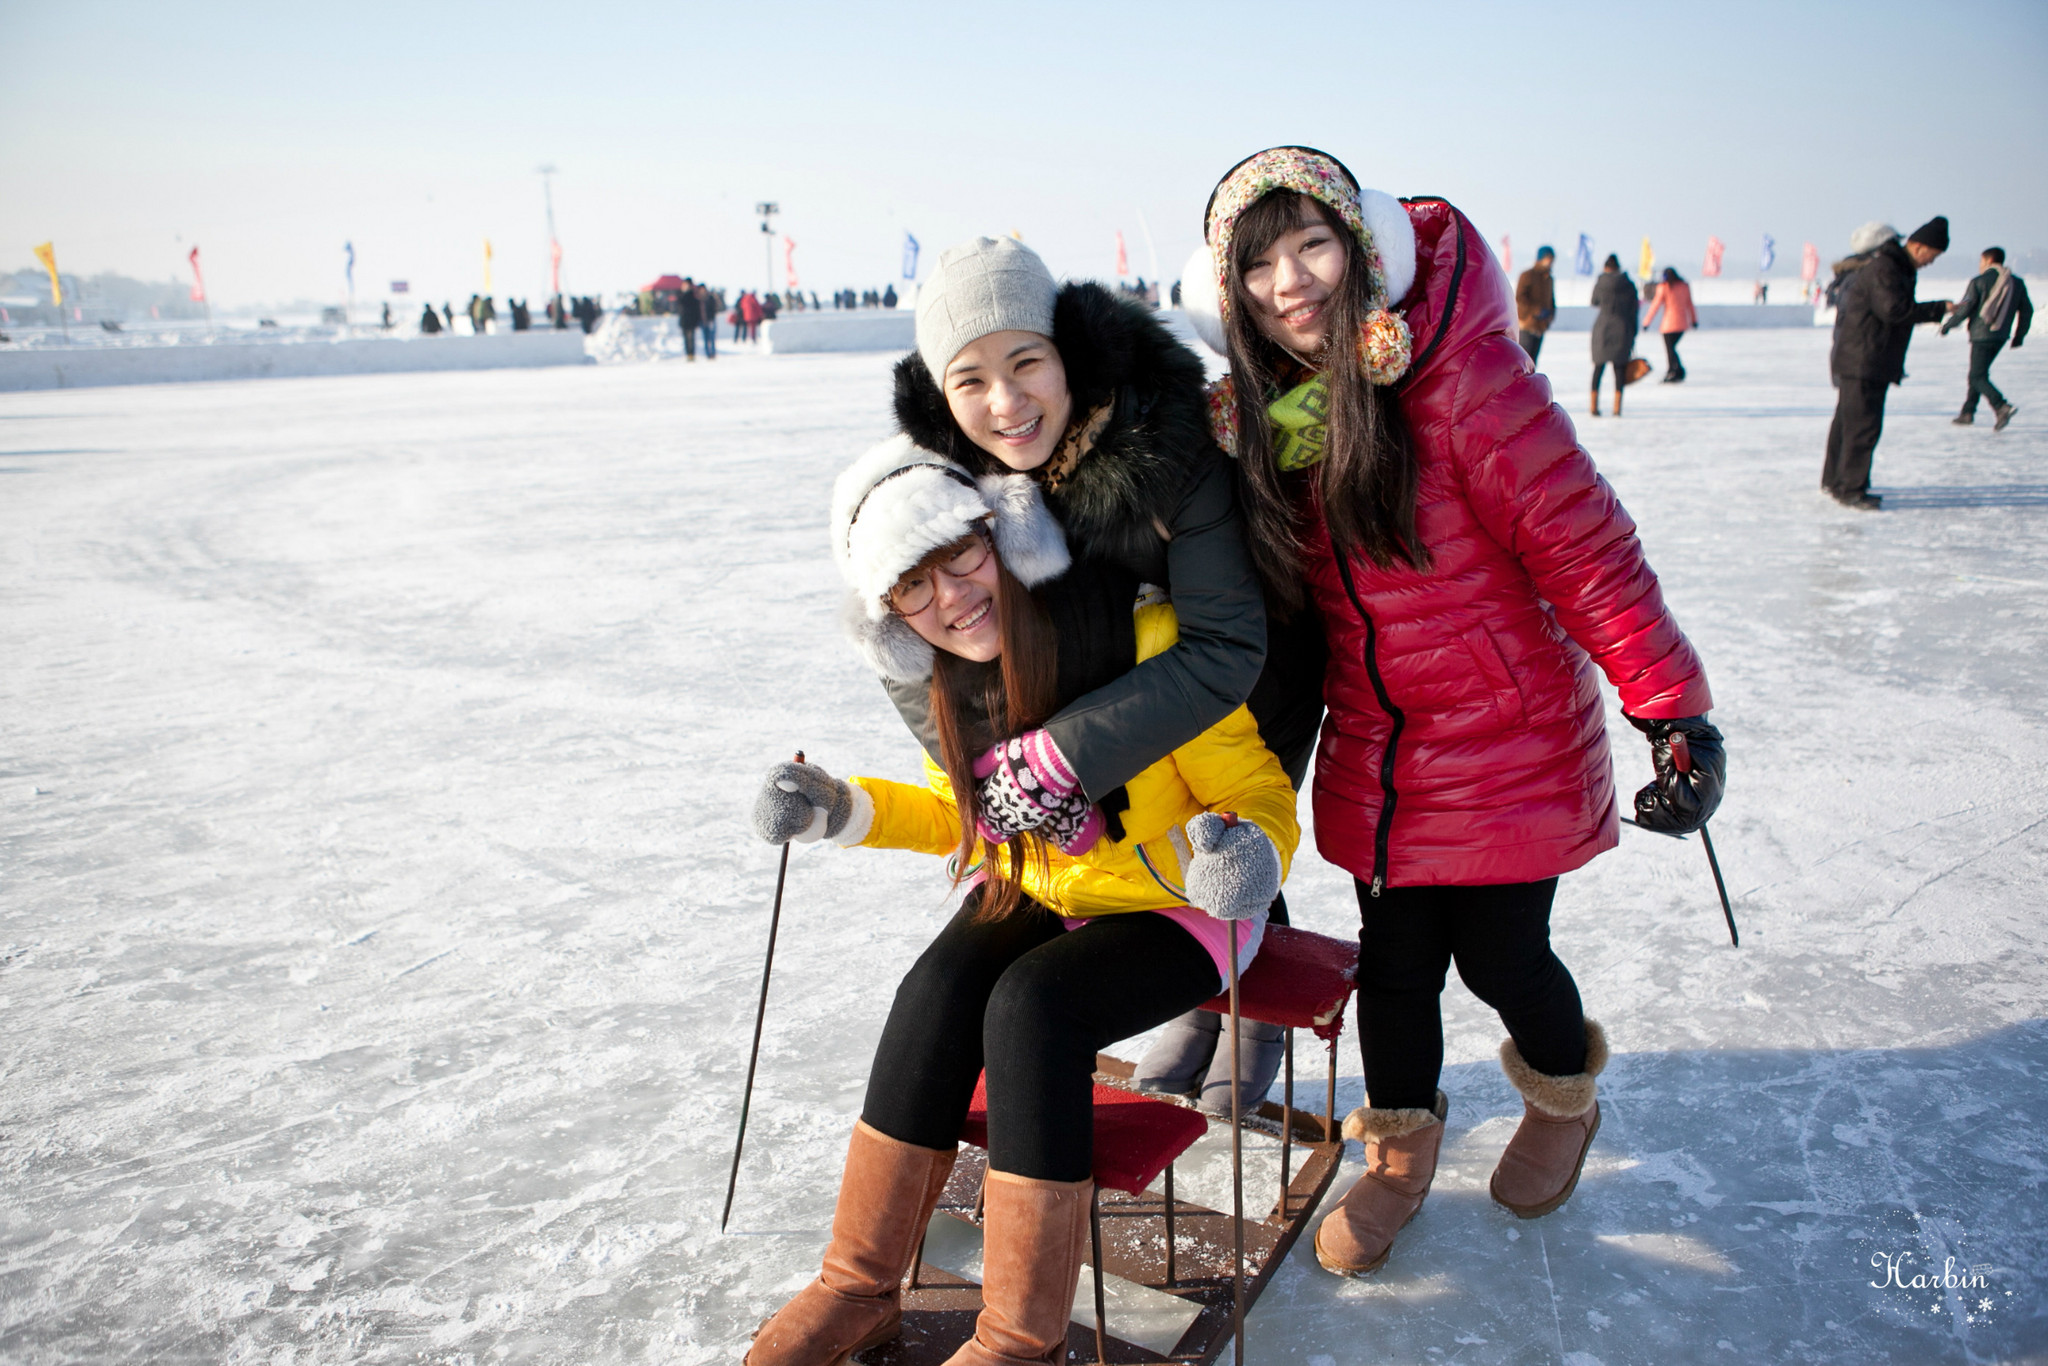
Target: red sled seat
(1300,980)
(1136,1137)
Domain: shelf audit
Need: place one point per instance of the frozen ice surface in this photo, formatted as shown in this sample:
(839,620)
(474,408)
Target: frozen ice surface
(379,932)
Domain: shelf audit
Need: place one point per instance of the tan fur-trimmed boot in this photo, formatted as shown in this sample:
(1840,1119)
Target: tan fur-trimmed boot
(885,1199)
(1034,1237)
(1596,403)
(1540,1167)
(1400,1161)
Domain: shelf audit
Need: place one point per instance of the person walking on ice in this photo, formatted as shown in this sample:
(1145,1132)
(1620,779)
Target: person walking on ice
(1536,301)
(1674,300)
(1615,304)
(1996,307)
(1078,933)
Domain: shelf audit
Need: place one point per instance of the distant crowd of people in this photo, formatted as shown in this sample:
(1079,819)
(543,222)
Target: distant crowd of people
(1873,293)
(1619,311)
(482,313)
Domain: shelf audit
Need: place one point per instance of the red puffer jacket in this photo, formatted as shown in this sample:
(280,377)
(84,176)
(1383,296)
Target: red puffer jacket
(1465,742)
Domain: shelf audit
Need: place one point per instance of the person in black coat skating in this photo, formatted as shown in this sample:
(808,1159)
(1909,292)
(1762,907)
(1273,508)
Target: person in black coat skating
(1874,319)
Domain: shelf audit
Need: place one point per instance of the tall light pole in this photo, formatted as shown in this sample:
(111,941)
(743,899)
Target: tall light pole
(768,210)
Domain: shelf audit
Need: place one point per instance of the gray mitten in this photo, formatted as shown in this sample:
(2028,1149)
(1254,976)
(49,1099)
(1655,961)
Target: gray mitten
(801,802)
(1235,871)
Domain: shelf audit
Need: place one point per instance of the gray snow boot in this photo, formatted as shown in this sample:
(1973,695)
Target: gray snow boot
(1260,1053)
(1174,1065)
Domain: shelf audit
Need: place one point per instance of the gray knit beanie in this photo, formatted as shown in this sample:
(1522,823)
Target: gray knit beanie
(992,284)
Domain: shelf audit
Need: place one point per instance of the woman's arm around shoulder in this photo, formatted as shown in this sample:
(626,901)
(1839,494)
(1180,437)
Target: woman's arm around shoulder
(1114,733)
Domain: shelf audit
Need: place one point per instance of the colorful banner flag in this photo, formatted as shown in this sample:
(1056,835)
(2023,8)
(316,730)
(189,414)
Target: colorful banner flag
(401,286)
(1809,263)
(554,266)
(1507,256)
(1582,259)
(1770,256)
(1647,262)
(909,256)
(1711,266)
(47,254)
(487,267)
(350,270)
(198,280)
(789,261)
(1123,258)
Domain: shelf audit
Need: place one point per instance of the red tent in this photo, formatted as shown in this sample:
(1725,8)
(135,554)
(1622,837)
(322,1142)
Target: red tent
(669,283)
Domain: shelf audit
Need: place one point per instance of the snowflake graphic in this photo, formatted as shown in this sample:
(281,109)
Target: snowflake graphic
(1982,1305)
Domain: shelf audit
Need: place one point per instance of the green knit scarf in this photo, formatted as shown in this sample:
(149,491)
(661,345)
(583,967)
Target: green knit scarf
(1301,433)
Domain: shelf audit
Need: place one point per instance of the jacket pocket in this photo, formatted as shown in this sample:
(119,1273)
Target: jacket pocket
(1493,670)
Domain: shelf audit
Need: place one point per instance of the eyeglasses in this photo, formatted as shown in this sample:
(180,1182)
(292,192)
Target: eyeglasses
(915,590)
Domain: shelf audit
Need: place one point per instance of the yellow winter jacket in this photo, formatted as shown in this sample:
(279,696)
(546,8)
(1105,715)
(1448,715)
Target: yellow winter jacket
(1225,768)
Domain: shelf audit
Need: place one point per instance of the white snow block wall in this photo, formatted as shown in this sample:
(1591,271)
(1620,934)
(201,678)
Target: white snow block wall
(88,367)
(865,329)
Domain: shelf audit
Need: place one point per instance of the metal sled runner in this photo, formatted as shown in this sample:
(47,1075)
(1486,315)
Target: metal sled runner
(1162,1270)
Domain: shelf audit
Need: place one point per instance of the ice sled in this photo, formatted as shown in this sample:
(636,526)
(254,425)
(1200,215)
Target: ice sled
(1163,1275)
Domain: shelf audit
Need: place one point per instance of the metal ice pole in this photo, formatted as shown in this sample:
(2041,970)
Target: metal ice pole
(760,1016)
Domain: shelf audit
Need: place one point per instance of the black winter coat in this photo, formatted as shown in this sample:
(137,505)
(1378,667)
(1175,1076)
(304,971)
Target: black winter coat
(1614,330)
(1874,318)
(1154,498)
(2013,320)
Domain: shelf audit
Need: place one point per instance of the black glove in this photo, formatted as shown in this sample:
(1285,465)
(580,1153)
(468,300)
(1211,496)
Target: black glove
(1680,802)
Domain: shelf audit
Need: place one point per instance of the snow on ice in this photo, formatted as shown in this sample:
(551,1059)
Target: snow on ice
(379,931)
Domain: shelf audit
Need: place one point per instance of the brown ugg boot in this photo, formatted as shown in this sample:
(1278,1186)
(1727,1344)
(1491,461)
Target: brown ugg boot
(1540,1167)
(1034,1237)
(1617,400)
(1596,403)
(1400,1162)
(885,1199)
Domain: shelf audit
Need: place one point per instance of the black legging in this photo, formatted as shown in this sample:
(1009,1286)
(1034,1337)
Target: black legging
(1673,365)
(1033,1003)
(1500,938)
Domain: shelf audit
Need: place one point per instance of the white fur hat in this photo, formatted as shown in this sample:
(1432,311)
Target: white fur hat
(1392,233)
(897,504)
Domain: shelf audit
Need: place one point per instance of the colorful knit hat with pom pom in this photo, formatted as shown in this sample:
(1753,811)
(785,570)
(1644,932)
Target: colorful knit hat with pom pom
(1377,220)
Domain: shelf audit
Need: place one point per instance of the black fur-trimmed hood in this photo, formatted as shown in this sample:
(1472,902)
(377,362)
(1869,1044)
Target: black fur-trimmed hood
(1116,352)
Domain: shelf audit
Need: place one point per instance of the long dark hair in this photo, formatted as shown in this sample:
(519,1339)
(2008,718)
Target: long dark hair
(976,704)
(1367,479)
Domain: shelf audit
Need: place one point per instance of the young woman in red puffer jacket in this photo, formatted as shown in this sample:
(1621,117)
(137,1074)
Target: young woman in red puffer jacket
(1416,488)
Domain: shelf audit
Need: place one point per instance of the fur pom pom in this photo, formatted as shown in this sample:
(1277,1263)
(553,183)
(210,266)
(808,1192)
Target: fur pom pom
(1393,234)
(1033,547)
(1385,347)
(1201,302)
(889,646)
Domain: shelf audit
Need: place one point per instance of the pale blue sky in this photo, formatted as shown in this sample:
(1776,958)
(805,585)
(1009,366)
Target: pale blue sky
(271,133)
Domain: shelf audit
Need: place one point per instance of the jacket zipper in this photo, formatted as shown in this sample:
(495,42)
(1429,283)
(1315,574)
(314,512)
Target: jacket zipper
(1383,831)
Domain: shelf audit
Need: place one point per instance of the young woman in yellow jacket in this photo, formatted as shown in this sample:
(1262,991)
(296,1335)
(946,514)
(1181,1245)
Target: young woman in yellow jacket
(1106,920)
